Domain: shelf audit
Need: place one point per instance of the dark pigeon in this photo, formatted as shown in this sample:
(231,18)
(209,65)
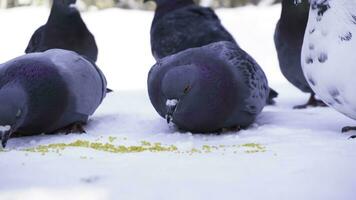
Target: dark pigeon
(181,24)
(209,88)
(48,92)
(65,29)
(288,38)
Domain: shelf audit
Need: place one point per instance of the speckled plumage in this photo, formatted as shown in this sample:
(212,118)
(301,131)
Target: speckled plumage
(44,92)
(64,29)
(216,86)
(330,65)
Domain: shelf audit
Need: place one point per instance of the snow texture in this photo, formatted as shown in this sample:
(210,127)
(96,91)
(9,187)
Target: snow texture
(129,152)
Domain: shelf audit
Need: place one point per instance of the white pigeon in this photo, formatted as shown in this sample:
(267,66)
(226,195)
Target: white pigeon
(329,54)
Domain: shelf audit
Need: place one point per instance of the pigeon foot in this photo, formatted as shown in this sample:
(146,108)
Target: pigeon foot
(312,102)
(76,127)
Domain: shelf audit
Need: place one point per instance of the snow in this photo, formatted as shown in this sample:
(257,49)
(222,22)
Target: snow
(286,154)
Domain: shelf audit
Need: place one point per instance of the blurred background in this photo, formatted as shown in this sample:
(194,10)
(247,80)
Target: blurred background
(122,32)
(133,4)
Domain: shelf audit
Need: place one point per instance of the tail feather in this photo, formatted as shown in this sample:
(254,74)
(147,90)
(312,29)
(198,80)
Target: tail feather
(272,95)
(108,90)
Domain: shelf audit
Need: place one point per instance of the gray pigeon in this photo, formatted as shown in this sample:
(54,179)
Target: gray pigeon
(65,29)
(181,24)
(208,88)
(48,92)
(288,38)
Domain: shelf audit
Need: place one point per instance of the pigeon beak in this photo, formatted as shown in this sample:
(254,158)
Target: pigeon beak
(5,134)
(171,106)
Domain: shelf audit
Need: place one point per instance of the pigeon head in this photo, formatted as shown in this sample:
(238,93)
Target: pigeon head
(12,110)
(294,3)
(64,6)
(63,12)
(178,85)
(193,97)
(295,10)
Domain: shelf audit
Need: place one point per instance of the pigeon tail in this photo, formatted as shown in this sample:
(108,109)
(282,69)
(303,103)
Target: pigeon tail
(272,95)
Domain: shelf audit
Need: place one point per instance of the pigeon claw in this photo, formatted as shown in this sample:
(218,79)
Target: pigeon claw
(312,102)
(348,129)
(76,127)
(352,137)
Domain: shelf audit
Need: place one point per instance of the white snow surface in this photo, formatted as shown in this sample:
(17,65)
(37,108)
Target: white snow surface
(286,154)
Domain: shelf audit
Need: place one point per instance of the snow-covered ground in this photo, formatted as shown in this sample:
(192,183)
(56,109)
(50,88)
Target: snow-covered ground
(129,152)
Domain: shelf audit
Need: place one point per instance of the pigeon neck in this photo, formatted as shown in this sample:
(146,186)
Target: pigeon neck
(167,6)
(290,8)
(293,15)
(62,14)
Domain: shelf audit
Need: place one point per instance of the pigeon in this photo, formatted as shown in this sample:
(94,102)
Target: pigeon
(207,89)
(288,39)
(65,29)
(328,60)
(48,92)
(181,24)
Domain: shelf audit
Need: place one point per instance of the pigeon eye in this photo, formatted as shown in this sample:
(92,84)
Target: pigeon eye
(186,89)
